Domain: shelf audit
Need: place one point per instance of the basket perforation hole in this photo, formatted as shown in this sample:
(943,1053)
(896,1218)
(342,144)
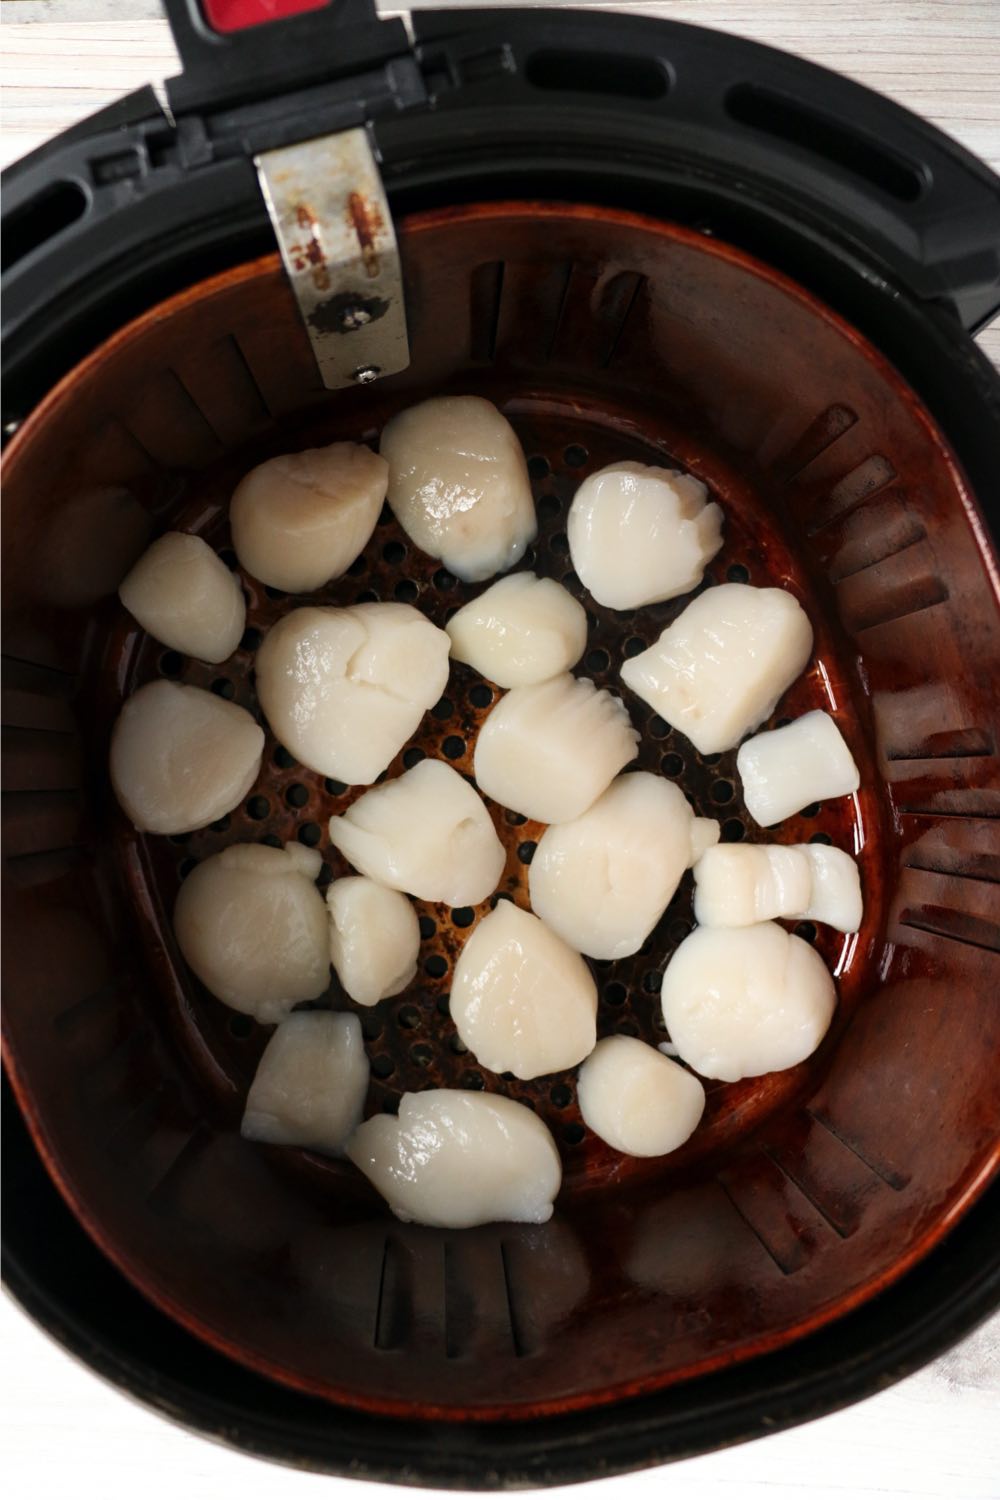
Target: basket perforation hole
(458,1046)
(358,568)
(463,916)
(335,788)
(408,1016)
(548,506)
(515,819)
(652,981)
(472,1080)
(634,646)
(560,543)
(598,660)
(444,580)
(573,1134)
(820,838)
(251,639)
(538,467)
(297,795)
(171,664)
(671,764)
(428,927)
(436,966)
(422,1054)
(282,758)
(310,835)
(443,708)
(413,756)
(406,591)
(383,1066)
(258,808)
(394,552)
(221,825)
(732,831)
(369,596)
(371,1026)
(575,456)
(806,931)
(723,791)
(737,573)
(480,696)
(615,993)
(561,1095)
(526,851)
(454,747)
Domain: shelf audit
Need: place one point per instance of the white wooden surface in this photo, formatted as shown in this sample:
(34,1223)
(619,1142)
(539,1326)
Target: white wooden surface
(936,1435)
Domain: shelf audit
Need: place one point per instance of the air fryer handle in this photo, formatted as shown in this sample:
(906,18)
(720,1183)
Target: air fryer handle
(237,52)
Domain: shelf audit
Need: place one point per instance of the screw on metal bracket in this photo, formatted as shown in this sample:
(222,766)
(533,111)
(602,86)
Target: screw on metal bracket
(332,221)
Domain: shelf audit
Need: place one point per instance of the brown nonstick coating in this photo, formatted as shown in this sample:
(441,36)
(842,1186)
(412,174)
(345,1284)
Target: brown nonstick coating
(601,337)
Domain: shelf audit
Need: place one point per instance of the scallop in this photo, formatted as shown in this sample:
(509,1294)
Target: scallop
(254,929)
(310,1085)
(344,689)
(426,832)
(458,484)
(521,999)
(522,630)
(720,668)
(603,880)
(637,1100)
(550,750)
(181,758)
(183,594)
(301,519)
(453,1158)
(742,1001)
(374,938)
(739,884)
(639,533)
(784,770)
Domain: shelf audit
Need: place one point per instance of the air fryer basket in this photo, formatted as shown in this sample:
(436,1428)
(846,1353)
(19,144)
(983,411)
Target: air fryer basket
(601,333)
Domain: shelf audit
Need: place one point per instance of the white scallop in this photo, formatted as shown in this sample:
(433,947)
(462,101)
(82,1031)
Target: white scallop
(344,689)
(550,750)
(836,889)
(742,1001)
(637,1100)
(720,668)
(783,770)
(181,758)
(603,880)
(454,1158)
(458,484)
(310,1085)
(254,928)
(522,630)
(739,884)
(639,533)
(374,938)
(301,519)
(426,832)
(521,999)
(183,594)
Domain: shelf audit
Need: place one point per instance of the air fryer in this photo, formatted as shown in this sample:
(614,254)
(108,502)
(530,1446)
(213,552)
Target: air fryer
(641,240)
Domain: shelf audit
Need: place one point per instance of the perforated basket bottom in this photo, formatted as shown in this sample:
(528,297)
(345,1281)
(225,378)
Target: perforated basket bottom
(411,1039)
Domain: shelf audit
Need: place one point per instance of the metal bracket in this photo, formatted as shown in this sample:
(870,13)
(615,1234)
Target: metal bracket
(332,221)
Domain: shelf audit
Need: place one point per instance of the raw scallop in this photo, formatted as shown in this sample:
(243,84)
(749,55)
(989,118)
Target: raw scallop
(254,928)
(603,881)
(183,594)
(458,483)
(453,1158)
(522,1000)
(426,832)
(639,533)
(344,689)
(181,758)
(522,630)
(720,668)
(739,884)
(310,1085)
(301,519)
(549,751)
(374,938)
(741,1001)
(784,770)
(637,1100)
